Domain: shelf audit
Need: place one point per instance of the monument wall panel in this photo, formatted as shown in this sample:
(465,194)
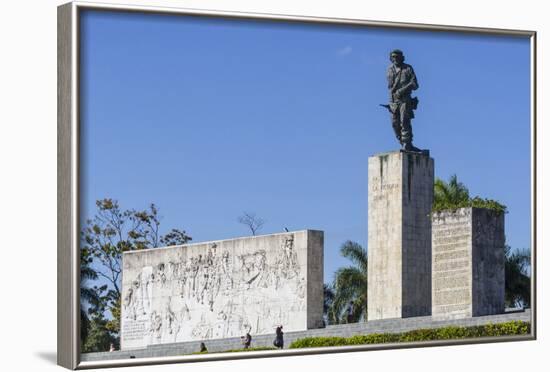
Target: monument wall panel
(468,263)
(222,289)
(452,264)
(488,242)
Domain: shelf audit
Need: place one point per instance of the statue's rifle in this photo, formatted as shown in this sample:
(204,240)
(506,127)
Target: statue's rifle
(396,80)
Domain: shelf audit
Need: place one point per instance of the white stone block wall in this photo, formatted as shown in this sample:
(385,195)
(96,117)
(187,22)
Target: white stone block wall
(468,263)
(400,199)
(222,289)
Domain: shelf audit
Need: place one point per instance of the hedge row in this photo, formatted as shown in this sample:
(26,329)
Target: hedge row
(445,333)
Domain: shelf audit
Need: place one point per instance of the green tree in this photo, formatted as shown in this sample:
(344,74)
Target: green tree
(450,193)
(350,287)
(328,301)
(454,194)
(517,278)
(99,338)
(89,295)
(104,238)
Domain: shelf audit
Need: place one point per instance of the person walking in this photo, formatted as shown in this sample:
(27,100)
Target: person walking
(279,341)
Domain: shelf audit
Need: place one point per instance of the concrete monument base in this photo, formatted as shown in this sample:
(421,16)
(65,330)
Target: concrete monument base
(400,236)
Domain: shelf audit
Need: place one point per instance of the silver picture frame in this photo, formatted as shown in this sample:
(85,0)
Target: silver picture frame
(68,181)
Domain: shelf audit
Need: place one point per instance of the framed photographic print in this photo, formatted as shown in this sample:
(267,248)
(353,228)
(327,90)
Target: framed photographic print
(237,185)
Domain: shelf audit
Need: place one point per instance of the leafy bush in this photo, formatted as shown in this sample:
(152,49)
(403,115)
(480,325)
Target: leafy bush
(445,333)
(453,195)
(375,338)
(476,202)
(319,341)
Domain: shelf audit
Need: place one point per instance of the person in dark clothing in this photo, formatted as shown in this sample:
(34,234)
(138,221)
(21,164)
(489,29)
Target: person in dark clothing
(203,348)
(350,312)
(247,340)
(279,342)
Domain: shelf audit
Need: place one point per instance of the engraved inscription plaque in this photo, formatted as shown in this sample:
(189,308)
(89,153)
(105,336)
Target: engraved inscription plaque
(467,263)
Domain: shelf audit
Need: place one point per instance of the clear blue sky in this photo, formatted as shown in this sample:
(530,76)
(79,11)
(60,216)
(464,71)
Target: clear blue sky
(209,118)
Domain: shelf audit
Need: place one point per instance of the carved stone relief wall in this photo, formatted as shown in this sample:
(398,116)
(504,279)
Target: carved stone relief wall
(219,289)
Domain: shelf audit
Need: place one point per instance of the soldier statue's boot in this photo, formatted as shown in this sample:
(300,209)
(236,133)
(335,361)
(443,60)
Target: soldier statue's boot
(408,146)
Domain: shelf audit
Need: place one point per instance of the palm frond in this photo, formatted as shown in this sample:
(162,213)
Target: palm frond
(452,192)
(356,254)
(349,288)
(517,280)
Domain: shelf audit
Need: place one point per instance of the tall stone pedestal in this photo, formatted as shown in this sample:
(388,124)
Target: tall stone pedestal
(468,263)
(400,235)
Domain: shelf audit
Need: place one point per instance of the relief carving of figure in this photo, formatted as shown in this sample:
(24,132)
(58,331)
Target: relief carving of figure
(156,327)
(227,274)
(146,286)
(170,318)
(161,275)
(289,264)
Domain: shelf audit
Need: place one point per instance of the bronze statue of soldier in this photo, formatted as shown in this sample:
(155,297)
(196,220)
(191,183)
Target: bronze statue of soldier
(401,82)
